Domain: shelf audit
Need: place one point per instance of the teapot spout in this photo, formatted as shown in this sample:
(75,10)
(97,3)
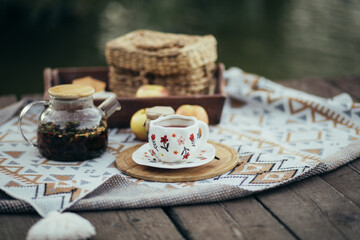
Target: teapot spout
(109,106)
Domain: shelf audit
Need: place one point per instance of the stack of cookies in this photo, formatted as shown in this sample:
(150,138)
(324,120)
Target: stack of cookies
(183,64)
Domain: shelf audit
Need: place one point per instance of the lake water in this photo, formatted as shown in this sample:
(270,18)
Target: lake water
(282,39)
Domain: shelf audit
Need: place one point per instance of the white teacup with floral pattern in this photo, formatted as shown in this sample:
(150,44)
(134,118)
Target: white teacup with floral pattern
(176,138)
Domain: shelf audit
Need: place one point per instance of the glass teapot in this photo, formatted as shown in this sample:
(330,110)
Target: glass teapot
(71,128)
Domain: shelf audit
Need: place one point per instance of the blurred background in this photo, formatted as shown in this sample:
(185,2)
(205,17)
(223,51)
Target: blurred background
(279,39)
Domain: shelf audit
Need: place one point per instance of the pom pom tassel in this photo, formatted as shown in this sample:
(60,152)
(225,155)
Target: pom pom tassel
(61,226)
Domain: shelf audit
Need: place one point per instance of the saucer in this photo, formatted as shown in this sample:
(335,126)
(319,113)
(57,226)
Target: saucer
(143,157)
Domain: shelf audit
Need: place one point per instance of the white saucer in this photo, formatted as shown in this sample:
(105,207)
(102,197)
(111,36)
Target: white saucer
(143,157)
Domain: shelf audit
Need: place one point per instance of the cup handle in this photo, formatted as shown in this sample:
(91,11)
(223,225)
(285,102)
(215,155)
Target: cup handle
(23,113)
(204,134)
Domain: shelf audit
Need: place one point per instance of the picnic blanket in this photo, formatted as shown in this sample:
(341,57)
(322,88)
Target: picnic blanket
(281,135)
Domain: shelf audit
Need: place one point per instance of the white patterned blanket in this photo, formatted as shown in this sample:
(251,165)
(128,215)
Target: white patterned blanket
(281,135)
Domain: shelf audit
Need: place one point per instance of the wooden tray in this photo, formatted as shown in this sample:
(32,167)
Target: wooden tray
(228,159)
(129,105)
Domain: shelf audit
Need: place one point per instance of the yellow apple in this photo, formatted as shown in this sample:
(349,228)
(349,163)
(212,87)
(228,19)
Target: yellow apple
(193,110)
(152,91)
(137,124)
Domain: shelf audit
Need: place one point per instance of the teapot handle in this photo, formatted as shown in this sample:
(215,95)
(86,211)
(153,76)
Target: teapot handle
(23,113)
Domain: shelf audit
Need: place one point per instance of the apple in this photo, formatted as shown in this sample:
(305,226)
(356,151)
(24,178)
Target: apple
(137,124)
(152,91)
(193,110)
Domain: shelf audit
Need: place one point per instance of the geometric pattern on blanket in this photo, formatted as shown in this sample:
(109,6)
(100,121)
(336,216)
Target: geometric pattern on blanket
(280,134)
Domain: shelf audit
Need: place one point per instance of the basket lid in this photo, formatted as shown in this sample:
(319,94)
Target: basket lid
(71,91)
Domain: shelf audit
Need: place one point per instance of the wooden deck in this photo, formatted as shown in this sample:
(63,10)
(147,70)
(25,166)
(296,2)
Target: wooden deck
(321,207)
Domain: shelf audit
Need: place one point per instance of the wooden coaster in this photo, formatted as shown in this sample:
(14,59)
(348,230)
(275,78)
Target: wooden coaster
(227,155)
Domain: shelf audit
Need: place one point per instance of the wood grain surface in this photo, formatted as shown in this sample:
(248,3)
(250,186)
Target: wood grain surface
(151,223)
(243,218)
(313,209)
(228,159)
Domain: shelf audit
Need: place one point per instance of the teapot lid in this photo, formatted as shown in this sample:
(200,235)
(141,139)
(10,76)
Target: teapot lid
(71,91)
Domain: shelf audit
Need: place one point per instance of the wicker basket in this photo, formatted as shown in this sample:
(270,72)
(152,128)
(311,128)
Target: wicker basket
(124,83)
(161,53)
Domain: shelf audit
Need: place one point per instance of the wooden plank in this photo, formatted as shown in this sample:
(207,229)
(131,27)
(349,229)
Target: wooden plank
(239,219)
(347,84)
(7,100)
(255,222)
(315,86)
(355,165)
(149,223)
(313,209)
(16,225)
(346,180)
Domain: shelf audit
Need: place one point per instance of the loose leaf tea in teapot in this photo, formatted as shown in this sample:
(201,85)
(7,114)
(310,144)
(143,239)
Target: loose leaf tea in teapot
(69,142)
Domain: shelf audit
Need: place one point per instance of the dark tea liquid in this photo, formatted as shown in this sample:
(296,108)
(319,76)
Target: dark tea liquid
(70,143)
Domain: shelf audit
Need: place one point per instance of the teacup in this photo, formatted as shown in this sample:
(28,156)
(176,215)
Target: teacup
(176,138)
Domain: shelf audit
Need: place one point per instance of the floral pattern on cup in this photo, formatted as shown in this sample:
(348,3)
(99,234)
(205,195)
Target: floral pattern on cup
(192,139)
(181,140)
(185,153)
(151,158)
(165,144)
(164,140)
(154,142)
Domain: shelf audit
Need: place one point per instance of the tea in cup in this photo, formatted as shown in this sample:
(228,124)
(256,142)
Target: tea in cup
(176,138)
